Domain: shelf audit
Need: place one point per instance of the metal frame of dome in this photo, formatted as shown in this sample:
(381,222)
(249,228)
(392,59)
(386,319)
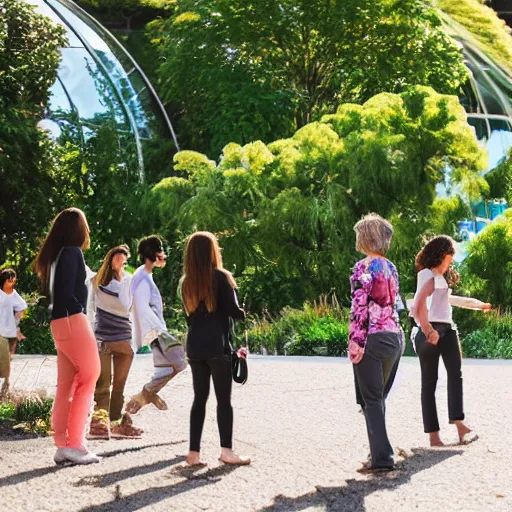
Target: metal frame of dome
(488,100)
(104,59)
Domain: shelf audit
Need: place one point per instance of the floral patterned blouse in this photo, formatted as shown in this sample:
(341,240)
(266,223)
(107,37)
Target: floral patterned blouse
(374,284)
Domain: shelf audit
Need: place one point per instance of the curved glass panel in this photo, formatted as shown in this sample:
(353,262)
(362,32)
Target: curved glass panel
(487,97)
(99,86)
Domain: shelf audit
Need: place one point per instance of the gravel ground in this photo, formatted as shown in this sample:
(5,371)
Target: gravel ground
(298,419)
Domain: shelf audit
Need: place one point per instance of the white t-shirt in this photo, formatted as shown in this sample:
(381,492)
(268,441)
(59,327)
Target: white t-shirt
(440,303)
(9,305)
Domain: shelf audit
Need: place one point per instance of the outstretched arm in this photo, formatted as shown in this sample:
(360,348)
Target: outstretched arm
(469,303)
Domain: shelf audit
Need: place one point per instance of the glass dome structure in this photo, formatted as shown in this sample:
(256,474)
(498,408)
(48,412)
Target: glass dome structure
(486,97)
(100,84)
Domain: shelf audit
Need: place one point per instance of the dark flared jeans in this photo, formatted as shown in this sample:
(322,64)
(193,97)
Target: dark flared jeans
(373,375)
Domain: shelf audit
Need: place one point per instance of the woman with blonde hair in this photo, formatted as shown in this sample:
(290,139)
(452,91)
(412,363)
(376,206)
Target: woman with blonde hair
(209,299)
(60,266)
(375,336)
(113,331)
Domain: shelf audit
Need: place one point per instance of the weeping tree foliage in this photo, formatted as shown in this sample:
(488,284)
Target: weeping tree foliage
(243,70)
(285,211)
(485,25)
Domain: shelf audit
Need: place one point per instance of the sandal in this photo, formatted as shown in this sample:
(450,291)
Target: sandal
(124,429)
(99,427)
(367,468)
(469,438)
(138,401)
(236,461)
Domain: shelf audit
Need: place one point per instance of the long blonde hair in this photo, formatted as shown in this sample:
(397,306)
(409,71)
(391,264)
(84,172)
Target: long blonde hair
(202,257)
(106,273)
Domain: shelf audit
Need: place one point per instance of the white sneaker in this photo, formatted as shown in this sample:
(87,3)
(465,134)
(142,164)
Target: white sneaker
(76,456)
(59,456)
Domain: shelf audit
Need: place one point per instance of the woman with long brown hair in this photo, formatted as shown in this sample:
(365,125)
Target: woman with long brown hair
(60,266)
(210,301)
(113,331)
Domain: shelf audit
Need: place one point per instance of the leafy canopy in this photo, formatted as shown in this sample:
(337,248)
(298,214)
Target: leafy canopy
(245,70)
(287,209)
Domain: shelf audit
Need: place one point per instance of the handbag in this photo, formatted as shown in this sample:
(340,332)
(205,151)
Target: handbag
(239,368)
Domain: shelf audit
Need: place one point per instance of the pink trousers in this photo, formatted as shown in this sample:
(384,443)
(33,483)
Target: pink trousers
(78,369)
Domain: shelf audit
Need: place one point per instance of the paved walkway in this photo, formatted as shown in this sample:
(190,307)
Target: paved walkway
(298,419)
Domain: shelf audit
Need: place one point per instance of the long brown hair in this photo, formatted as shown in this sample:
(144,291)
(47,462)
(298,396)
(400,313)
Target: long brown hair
(202,257)
(106,273)
(68,228)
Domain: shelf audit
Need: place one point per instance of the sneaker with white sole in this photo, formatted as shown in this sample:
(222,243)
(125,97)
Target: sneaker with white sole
(75,456)
(59,456)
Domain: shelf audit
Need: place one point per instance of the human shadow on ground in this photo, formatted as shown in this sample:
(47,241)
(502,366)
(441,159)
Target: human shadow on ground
(19,478)
(154,495)
(350,497)
(40,472)
(121,451)
(104,480)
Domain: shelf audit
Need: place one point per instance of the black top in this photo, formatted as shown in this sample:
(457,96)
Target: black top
(70,290)
(208,333)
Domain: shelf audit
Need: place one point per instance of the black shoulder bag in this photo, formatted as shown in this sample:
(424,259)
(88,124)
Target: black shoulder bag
(239,367)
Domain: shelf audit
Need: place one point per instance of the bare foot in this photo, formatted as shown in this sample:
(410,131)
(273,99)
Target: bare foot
(194,459)
(228,456)
(435,440)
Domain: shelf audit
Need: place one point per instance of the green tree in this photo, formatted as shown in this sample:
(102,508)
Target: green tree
(489,263)
(500,179)
(29,58)
(285,212)
(243,70)
(130,13)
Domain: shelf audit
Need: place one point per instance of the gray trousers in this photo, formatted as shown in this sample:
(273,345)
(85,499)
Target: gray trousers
(373,374)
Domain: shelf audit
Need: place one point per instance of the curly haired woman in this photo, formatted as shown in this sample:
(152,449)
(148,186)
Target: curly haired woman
(438,336)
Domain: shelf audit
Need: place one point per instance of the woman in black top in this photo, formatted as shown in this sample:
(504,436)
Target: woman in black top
(60,266)
(209,298)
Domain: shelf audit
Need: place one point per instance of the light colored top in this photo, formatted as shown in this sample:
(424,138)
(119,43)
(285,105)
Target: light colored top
(145,302)
(10,304)
(111,316)
(440,303)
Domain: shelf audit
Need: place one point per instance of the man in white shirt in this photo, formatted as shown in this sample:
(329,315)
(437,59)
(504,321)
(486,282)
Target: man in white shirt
(149,326)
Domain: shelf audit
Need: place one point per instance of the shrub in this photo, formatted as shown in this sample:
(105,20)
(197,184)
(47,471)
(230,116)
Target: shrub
(30,410)
(320,328)
(493,341)
(35,326)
